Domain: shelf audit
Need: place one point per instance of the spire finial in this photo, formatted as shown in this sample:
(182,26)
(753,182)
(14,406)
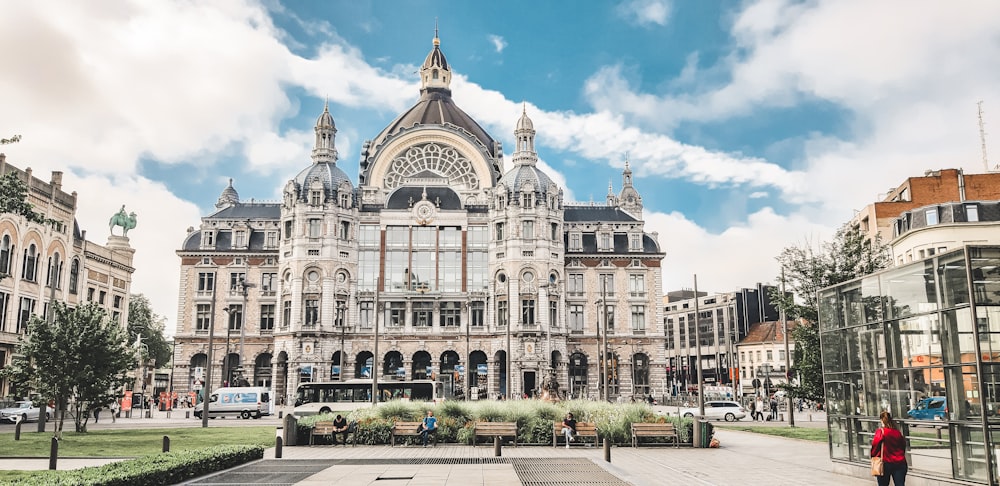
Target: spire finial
(437,40)
(524,107)
(230,182)
(626,160)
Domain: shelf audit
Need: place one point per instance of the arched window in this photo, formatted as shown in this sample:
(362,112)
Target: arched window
(578,375)
(6,253)
(363,365)
(640,374)
(336,364)
(449,360)
(612,370)
(52,274)
(30,263)
(392,364)
(74,275)
(196,374)
(477,374)
(262,370)
(421,362)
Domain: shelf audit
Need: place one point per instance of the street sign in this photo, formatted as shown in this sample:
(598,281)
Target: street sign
(199,373)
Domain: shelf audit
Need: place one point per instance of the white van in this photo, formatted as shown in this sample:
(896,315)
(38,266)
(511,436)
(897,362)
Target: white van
(243,401)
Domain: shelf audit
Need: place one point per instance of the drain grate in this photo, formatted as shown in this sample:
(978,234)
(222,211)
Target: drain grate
(545,472)
(419,461)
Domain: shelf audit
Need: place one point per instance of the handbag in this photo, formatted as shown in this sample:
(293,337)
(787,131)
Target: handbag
(878,467)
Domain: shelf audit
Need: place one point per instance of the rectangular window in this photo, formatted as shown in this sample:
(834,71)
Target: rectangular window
(286,313)
(236,281)
(345,230)
(4,304)
(574,241)
(499,230)
(606,284)
(770,355)
(116,301)
(638,318)
(396,312)
(340,313)
(266,317)
(24,314)
(206,282)
(637,285)
(90,294)
(605,241)
(527,229)
(102,296)
(502,313)
(528,312)
(235,312)
(368,235)
(239,238)
(288,229)
(781,355)
(971,212)
(932,216)
(553,313)
(366,314)
(477,313)
(526,200)
(312,313)
(450,314)
(574,284)
(315,227)
(271,239)
(208,238)
(203,317)
(554,236)
(609,318)
(635,242)
(576,318)
(423,313)
(268,282)
(315,198)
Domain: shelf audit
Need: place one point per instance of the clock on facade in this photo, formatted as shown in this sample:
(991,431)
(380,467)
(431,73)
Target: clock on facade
(423,212)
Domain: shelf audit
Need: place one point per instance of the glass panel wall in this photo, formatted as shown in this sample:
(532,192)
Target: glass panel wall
(909,340)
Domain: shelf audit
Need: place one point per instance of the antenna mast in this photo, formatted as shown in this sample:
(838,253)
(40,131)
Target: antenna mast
(982,136)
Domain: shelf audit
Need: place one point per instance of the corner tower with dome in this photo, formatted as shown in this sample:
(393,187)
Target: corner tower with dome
(479,277)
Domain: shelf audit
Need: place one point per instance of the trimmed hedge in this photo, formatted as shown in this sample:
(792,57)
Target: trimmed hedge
(160,469)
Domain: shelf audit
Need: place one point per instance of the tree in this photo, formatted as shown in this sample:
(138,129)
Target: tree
(13,139)
(142,321)
(80,360)
(806,270)
(14,198)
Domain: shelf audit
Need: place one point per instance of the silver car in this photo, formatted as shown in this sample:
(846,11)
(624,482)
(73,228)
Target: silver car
(23,411)
(718,410)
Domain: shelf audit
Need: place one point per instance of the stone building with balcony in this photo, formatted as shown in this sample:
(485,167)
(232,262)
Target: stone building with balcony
(471,270)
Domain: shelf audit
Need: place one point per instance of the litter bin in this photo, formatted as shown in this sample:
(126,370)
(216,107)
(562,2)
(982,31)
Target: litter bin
(704,429)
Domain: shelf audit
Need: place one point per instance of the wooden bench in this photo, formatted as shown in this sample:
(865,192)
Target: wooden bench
(583,429)
(321,429)
(666,430)
(494,429)
(408,429)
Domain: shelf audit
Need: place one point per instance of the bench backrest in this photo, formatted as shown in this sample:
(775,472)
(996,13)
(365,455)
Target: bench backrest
(645,428)
(322,427)
(406,427)
(582,428)
(504,428)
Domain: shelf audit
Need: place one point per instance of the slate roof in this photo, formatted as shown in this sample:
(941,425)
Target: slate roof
(620,241)
(249,211)
(595,213)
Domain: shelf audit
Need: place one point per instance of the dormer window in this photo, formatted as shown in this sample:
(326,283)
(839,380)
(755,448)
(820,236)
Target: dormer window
(635,242)
(526,200)
(239,238)
(605,242)
(345,200)
(434,74)
(315,198)
(574,242)
(208,238)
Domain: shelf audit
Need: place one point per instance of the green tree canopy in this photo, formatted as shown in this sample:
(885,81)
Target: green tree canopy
(82,360)
(14,198)
(142,321)
(806,270)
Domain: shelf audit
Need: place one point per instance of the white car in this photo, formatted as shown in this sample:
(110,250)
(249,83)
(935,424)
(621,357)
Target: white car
(23,411)
(718,410)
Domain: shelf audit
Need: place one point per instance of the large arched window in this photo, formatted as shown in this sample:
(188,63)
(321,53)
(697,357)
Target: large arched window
(449,360)
(477,371)
(578,375)
(262,370)
(6,253)
(74,275)
(29,267)
(336,364)
(640,374)
(392,364)
(421,364)
(613,376)
(363,365)
(196,371)
(53,270)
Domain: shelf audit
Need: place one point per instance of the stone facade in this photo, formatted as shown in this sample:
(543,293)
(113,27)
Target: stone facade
(473,276)
(40,263)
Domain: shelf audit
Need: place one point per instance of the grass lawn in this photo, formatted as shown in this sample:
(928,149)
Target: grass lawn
(123,443)
(805,433)
(131,442)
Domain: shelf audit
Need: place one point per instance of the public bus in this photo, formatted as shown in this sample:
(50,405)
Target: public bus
(344,396)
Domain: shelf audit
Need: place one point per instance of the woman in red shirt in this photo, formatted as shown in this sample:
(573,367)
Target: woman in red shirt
(890,444)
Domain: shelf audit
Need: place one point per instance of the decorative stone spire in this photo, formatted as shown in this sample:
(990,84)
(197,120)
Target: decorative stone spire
(325,148)
(612,198)
(524,133)
(435,74)
(629,198)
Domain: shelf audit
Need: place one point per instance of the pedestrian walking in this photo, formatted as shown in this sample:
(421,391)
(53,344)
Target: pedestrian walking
(97,414)
(114,411)
(774,409)
(760,408)
(889,444)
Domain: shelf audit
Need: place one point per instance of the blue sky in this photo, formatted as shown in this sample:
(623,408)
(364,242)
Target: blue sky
(750,125)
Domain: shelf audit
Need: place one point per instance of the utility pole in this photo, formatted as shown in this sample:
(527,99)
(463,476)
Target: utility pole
(788,357)
(374,371)
(206,387)
(604,336)
(701,385)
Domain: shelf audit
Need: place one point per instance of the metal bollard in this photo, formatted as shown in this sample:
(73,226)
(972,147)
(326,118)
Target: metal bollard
(53,453)
(166,444)
(277,446)
(187,414)
(281,413)
(17,431)
(607,450)
(496,446)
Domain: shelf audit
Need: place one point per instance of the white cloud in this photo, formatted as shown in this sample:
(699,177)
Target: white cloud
(757,195)
(645,12)
(498,43)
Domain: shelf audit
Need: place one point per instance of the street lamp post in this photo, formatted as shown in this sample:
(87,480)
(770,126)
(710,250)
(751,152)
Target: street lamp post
(245,290)
(207,384)
(374,370)
(701,385)
(788,357)
(603,338)
(226,371)
(342,321)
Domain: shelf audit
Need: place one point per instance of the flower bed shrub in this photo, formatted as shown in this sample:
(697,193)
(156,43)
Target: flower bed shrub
(159,469)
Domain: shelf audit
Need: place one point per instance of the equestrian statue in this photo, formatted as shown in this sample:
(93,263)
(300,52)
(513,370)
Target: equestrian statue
(123,219)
